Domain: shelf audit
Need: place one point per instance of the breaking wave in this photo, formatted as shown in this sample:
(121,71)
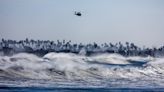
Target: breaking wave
(72,70)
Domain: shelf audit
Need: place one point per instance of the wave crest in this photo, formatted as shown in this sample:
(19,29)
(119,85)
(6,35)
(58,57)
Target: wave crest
(59,67)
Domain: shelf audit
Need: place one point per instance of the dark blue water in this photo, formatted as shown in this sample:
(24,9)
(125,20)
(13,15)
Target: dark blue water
(52,89)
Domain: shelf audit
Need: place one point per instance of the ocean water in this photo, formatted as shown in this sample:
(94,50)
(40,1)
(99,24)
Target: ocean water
(67,72)
(42,89)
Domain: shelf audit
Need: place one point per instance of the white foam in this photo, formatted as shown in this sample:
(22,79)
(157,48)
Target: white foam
(57,67)
(110,59)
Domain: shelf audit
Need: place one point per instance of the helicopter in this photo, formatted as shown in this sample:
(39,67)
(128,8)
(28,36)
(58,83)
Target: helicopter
(78,13)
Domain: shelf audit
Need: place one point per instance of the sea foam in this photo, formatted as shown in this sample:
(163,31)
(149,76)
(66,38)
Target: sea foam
(68,69)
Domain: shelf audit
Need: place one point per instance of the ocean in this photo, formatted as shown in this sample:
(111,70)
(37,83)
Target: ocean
(42,89)
(67,72)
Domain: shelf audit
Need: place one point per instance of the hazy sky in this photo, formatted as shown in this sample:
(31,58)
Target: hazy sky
(138,21)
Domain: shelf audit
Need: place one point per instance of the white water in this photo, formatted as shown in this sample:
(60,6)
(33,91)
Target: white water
(67,69)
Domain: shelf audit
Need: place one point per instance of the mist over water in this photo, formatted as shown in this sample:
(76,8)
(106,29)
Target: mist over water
(73,70)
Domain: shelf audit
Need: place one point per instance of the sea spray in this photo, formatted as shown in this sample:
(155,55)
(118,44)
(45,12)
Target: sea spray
(67,69)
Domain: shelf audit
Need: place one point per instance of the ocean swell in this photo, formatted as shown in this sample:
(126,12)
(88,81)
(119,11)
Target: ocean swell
(67,69)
